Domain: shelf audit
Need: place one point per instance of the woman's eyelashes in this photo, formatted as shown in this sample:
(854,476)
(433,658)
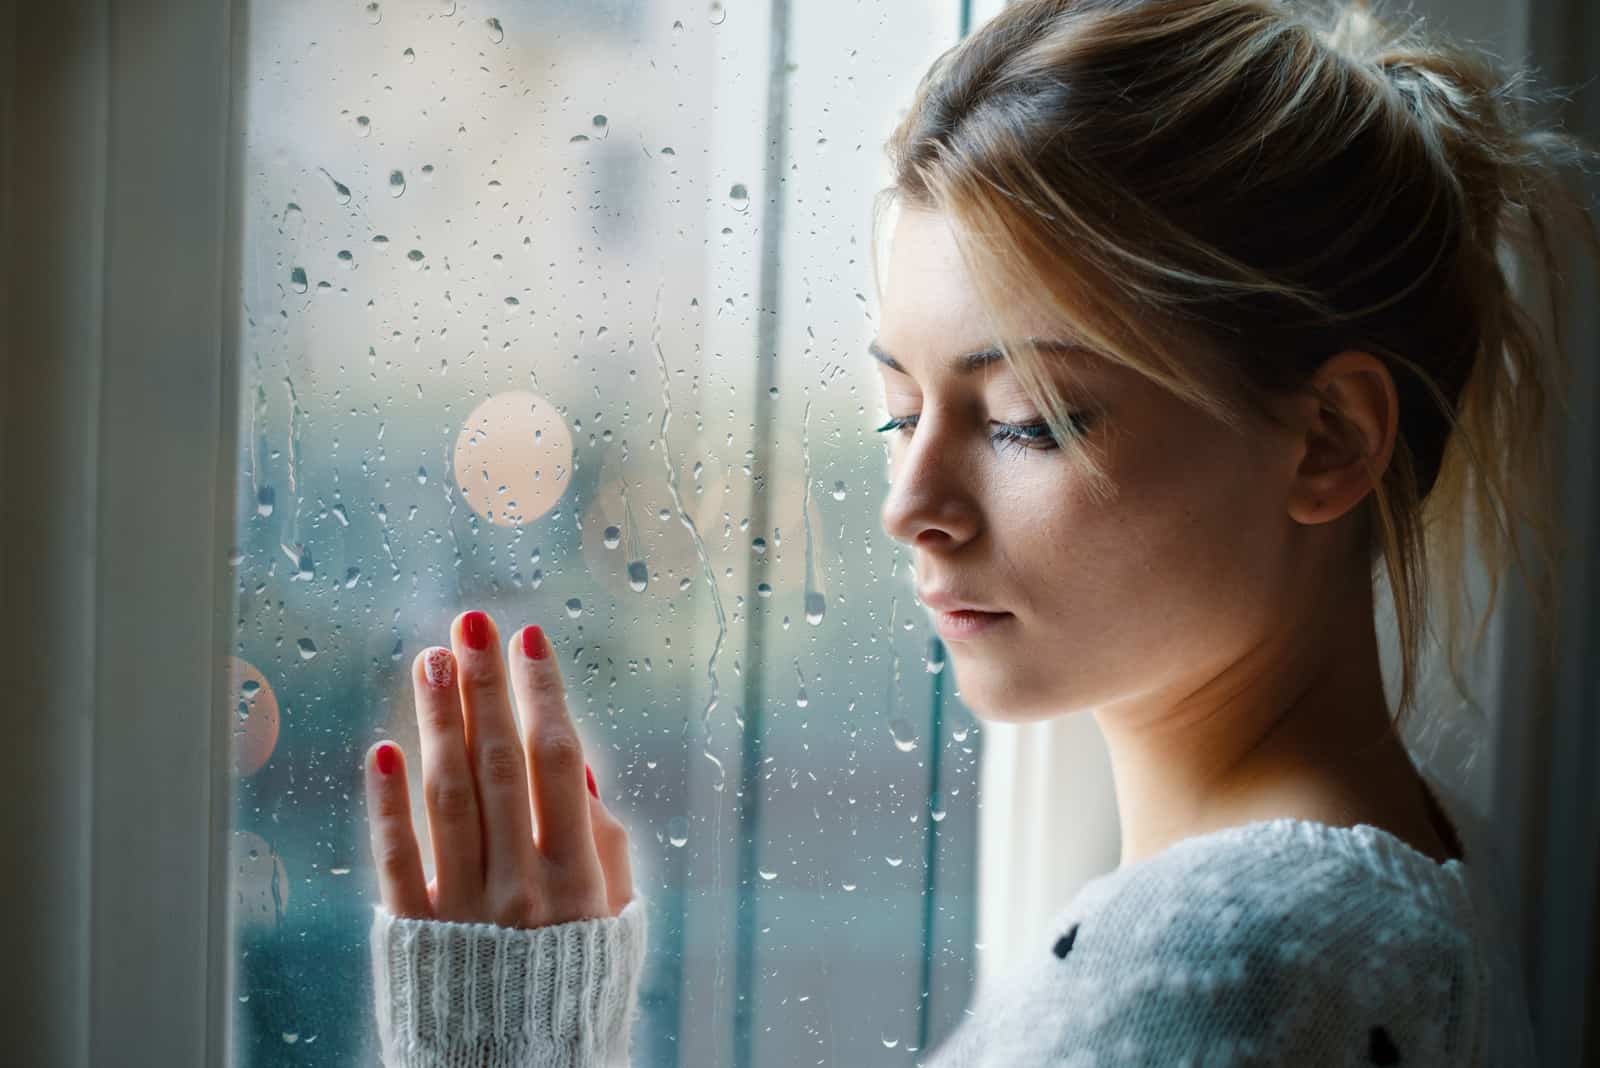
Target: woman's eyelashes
(1020,436)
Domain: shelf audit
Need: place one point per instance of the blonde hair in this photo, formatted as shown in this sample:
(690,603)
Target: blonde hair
(1221,194)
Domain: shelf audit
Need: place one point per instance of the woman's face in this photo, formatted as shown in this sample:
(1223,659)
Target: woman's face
(1144,600)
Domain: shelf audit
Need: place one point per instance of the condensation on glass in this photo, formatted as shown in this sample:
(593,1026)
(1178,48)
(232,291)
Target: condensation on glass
(558,310)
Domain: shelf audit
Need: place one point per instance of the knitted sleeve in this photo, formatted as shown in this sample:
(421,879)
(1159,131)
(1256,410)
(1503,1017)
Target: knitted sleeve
(561,996)
(1233,957)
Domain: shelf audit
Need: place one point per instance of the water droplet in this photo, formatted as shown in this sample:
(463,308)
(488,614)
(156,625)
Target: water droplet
(800,699)
(816,606)
(905,737)
(847,886)
(292,213)
(740,196)
(574,607)
(512,302)
(266,498)
(341,192)
(767,875)
(719,14)
(638,576)
(536,579)
(678,831)
(297,279)
(338,871)
(380,240)
(764,589)
(888,1043)
(351,577)
(409,55)
(935,659)
(397,183)
(308,648)
(416,256)
(600,121)
(759,545)
(960,733)
(684,583)
(374,12)
(340,514)
(938,814)
(363,125)
(612,537)
(838,491)
(347,259)
(497,33)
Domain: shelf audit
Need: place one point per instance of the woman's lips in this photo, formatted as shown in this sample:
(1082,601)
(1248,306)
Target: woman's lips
(967,623)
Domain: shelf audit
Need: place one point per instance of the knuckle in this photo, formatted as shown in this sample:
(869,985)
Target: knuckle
(558,750)
(440,716)
(513,907)
(393,857)
(501,764)
(482,673)
(392,805)
(451,801)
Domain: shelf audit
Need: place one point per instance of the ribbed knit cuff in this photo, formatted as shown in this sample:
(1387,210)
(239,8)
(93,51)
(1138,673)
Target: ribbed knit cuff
(478,994)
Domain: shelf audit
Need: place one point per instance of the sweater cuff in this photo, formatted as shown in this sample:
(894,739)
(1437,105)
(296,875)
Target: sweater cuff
(558,996)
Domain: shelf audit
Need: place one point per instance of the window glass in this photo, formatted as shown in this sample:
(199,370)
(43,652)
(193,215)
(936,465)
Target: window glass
(559,310)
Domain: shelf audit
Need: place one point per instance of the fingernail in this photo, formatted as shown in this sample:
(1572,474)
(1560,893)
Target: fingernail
(439,667)
(593,789)
(475,625)
(533,643)
(386,758)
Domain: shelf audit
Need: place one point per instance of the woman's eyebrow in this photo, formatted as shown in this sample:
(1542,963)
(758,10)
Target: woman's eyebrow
(972,361)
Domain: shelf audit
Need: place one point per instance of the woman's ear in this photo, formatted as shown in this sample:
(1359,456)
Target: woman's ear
(1348,437)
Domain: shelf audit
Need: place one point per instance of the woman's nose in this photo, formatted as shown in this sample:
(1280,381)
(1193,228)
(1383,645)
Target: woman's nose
(930,496)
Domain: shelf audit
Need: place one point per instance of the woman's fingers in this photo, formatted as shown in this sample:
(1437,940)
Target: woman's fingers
(394,839)
(448,787)
(499,764)
(611,842)
(555,756)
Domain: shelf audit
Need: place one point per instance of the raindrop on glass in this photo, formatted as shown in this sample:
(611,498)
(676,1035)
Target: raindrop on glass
(496,32)
(764,589)
(816,605)
(347,259)
(422,476)
(341,192)
(266,497)
(767,875)
(308,648)
(409,55)
(397,183)
(678,831)
(638,576)
(351,577)
(574,607)
(838,491)
(297,279)
(739,195)
(905,738)
(374,12)
(363,125)
(612,537)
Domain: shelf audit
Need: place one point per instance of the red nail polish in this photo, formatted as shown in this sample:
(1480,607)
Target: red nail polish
(593,789)
(475,627)
(533,643)
(386,758)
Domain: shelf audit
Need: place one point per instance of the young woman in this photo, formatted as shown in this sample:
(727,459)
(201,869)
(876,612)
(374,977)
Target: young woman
(1195,318)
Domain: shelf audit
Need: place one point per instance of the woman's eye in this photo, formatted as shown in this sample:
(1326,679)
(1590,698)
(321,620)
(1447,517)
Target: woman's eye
(1024,435)
(1035,435)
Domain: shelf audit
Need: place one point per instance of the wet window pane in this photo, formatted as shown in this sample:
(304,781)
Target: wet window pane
(559,310)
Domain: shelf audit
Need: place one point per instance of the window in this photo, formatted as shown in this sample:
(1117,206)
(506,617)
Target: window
(558,310)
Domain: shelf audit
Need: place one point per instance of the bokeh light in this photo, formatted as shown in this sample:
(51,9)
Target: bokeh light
(513,458)
(252,711)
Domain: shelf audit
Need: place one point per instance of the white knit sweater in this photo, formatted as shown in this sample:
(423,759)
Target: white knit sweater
(1282,942)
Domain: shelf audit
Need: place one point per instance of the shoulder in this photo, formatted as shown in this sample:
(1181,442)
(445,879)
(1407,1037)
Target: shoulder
(1287,941)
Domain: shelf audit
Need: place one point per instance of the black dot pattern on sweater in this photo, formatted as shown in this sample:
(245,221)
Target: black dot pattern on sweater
(1381,1048)
(1064,943)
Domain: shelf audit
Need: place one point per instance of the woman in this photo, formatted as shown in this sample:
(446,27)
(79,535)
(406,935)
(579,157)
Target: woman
(1194,317)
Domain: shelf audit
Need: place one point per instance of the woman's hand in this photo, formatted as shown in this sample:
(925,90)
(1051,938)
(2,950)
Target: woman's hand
(477,767)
